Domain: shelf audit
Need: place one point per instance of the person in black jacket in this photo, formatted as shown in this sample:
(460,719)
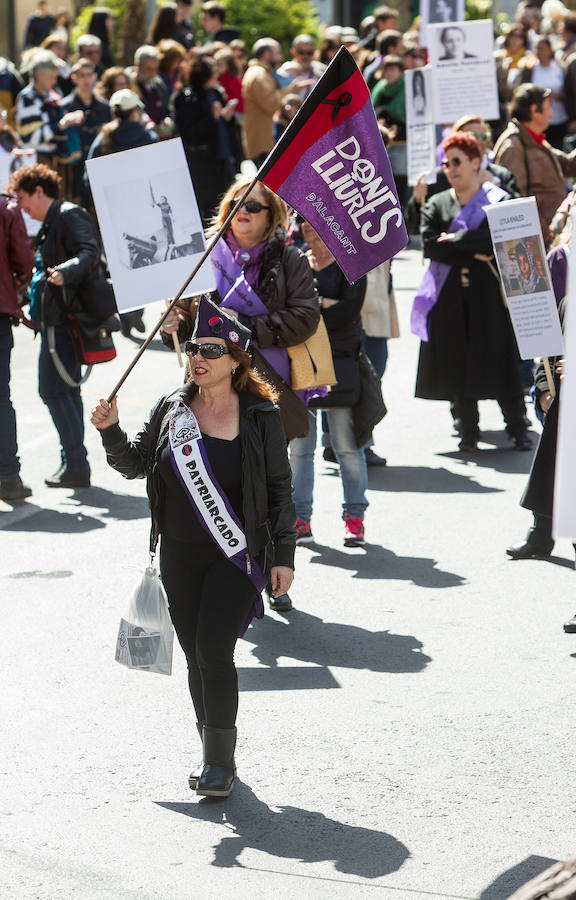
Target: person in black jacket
(66,255)
(341,305)
(217,440)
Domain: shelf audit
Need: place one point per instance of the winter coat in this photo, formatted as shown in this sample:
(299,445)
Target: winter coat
(471,351)
(67,241)
(379,313)
(127,136)
(16,256)
(539,170)
(262,97)
(539,493)
(268,511)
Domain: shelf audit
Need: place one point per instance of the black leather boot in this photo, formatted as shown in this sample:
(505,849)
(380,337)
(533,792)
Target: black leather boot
(197,770)
(538,543)
(217,778)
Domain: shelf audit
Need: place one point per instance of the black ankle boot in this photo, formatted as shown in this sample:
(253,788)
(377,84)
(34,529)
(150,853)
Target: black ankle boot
(217,778)
(537,544)
(197,770)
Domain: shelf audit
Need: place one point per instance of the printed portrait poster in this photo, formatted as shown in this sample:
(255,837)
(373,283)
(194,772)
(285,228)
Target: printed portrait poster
(564,510)
(441,12)
(521,259)
(150,223)
(464,70)
(420,128)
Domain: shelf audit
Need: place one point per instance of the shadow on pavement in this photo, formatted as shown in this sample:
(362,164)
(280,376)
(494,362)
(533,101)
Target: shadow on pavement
(378,563)
(513,878)
(424,480)
(52,521)
(501,459)
(310,639)
(119,506)
(293,833)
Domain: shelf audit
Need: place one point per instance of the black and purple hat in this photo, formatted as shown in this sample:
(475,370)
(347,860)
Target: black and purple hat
(211,321)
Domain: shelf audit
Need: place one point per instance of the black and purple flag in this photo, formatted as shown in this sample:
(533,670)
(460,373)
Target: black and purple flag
(331,166)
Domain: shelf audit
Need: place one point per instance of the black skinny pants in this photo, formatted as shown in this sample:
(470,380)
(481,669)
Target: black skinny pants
(209,600)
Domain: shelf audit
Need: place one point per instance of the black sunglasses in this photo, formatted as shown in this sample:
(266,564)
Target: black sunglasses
(208,351)
(456,162)
(251,206)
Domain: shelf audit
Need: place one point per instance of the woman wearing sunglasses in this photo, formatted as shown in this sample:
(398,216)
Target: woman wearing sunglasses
(269,285)
(490,171)
(468,351)
(219,484)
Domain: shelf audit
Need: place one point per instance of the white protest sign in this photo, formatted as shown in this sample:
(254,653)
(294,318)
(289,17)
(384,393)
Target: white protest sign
(439,11)
(519,251)
(420,128)
(10,163)
(464,70)
(564,515)
(150,224)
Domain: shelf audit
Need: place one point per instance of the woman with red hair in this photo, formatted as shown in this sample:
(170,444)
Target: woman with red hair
(468,352)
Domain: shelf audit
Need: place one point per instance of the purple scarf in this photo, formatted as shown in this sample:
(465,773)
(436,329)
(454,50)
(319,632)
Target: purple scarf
(469,218)
(237,270)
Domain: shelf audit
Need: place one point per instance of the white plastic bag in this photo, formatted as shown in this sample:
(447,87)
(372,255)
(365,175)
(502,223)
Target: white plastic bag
(146,638)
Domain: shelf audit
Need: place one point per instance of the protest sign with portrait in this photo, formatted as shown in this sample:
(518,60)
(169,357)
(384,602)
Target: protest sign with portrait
(464,70)
(420,129)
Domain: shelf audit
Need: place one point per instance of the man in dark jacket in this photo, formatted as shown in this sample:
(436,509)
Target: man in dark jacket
(39,25)
(15,270)
(67,255)
(92,112)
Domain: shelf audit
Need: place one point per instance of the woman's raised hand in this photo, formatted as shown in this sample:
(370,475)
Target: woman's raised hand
(105,414)
(172,321)
(420,190)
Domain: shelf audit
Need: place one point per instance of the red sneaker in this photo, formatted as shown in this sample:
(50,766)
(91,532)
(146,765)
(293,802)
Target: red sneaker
(303,532)
(353,531)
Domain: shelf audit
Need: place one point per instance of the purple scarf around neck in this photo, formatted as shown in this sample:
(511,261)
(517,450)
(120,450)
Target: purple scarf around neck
(469,218)
(237,270)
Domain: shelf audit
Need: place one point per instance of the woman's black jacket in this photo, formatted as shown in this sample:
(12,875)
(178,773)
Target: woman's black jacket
(269,513)
(67,241)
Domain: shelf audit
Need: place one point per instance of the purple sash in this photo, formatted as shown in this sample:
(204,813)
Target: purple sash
(469,217)
(211,505)
(237,295)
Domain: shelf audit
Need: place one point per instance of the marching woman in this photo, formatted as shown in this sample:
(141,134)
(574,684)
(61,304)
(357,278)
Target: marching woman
(468,352)
(219,484)
(269,285)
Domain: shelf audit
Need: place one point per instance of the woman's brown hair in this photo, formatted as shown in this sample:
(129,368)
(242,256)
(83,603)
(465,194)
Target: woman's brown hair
(277,214)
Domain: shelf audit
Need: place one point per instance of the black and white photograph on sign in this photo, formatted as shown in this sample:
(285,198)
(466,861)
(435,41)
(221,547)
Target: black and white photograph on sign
(420,128)
(150,223)
(439,12)
(464,70)
(453,44)
(523,267)
(154,225)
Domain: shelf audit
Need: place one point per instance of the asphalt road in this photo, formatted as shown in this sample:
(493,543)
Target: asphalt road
(405,732)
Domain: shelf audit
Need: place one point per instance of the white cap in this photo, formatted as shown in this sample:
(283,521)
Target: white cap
(126,100)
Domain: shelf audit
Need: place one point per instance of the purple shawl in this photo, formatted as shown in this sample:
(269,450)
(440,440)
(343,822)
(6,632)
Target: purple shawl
(469,218)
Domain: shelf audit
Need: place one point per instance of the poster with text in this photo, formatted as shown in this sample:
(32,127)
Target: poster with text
(564,515)
(420,128)
(521,259)
(441,12)
(150,224)
(464,70)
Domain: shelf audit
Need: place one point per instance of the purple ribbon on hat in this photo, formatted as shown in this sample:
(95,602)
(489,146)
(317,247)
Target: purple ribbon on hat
(469,218)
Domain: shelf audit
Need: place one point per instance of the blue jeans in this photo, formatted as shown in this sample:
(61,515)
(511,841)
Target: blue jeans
(351,459)
(9,462)
(64,403)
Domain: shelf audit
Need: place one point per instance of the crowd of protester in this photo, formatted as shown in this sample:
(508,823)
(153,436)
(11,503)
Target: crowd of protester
(229,102)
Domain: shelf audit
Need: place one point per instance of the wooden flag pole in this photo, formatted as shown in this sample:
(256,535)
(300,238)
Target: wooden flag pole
(171,303)
(549,376)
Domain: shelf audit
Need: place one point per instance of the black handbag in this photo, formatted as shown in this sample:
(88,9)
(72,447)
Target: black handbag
(346,392)
(96,299)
